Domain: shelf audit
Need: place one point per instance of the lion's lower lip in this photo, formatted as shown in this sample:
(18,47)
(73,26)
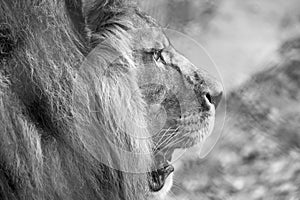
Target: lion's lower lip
(158,177)
(162,168)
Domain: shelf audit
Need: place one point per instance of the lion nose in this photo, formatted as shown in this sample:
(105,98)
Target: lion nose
(214,96)
(210,89)
(214,91)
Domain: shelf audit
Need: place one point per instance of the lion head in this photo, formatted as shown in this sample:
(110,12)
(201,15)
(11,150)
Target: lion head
(81,84)
(181,99)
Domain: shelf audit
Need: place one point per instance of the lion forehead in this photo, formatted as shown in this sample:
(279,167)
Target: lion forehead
(148,39)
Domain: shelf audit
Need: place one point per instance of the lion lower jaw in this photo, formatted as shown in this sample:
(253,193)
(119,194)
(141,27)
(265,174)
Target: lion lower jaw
(162,194)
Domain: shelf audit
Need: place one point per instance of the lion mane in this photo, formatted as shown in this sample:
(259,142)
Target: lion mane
(70,110)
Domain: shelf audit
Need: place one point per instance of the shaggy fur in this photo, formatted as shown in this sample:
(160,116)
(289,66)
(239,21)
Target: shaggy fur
(62,115)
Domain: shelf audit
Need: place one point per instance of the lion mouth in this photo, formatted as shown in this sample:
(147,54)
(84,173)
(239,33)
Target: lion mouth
(157,178)
(162,169)
(191,129)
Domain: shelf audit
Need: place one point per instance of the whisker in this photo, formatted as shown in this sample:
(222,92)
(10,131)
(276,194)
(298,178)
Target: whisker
(175,142)
(166,138)
(170,137)
(161,136)
(168,132)
(165,130)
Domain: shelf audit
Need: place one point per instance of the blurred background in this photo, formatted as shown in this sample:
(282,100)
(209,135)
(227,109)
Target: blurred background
(255,45)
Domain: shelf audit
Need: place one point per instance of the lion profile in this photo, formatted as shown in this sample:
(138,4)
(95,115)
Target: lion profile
(76,90)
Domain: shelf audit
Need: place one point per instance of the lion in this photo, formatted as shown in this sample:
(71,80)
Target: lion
(81,86)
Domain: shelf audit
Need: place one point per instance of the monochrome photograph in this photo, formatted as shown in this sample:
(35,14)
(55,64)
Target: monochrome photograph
(149,100)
